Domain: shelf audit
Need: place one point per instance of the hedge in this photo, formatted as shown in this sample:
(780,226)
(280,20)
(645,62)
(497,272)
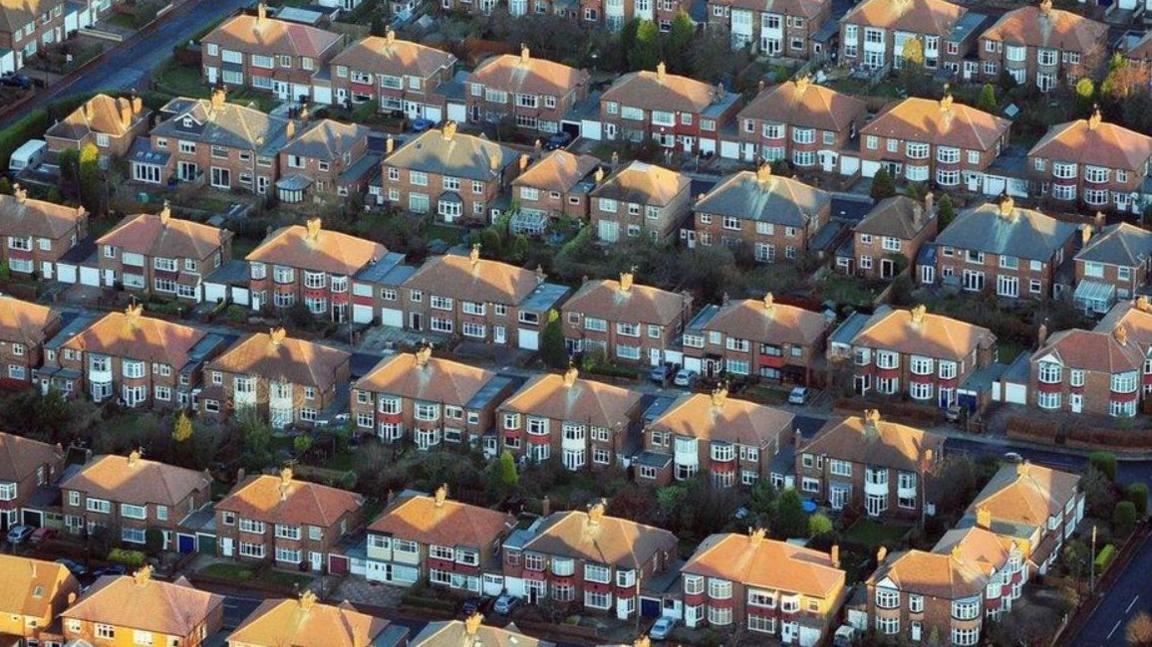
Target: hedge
(30,126)
(129,558)
(1107,554)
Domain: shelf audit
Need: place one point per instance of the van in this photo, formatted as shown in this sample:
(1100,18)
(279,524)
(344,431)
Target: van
(28,156)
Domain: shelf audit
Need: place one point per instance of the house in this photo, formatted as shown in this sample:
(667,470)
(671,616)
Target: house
(433,540)
(139,609)
(304,622)
(456,176)
(211,142)
(156,254)
(594,13)
(774,589)
(125,496)
(925,355)
(534,93)
(872,465)
(284,380)
(285,521)
(732,441)
(482,300)
(1041,46)
(598,562)
(27,27)
(1135,317)
(24,328)
(766,214)
(1111,266)
(920,140)
(761,337)
(321,159)
(38,233)
(267,53)
(309,265)
(781,28)
(110,124)
(640,198)
(25,466)
(471,631)
(35,593)
(1001,557)
(628,323)
(874,32)
(555,186)
(397,75)
(676,111)
(888,239)
(1005,247)
(801,122)
(1098,163)
(1088,371)
(428,400)
(581,422)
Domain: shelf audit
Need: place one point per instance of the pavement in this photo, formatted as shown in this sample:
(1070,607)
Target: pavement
(1127,596)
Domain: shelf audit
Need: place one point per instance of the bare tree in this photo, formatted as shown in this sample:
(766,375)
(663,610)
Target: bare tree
(1139,630)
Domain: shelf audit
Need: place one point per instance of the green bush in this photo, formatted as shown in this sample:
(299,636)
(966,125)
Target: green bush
(1105,557)
(1105,462)
(1124,518)
(1137,493)
(129,558)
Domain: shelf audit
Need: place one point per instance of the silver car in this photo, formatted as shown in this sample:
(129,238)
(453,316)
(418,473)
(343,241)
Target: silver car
(662,628)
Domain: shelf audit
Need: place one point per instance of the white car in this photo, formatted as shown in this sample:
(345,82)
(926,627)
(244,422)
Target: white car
(799,395)
(662,628)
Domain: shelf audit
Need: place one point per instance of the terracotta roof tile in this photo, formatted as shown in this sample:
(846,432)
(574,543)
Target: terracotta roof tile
(606,299)
(805,104)
(306,623)
(941,123)
(660,91)
(803,8)
(932,574)
(20,457)
(310,248)
(1092,351)
(526,74)
(100,114)
(282,499)
(923,333)
(23,217)
(917,16)
(474,279)
(559,170)
(25,322)
(766,564)
(716,416)
(643,183)
(878,442)
(1037,26)
(379,55)
(171,608)
(763,320)
(31,586)
(248,33)
(160,235)
(295,360)
(326,139)
(595,537)
(1025,494)
(1135,316)
(551,396)
(898,217)
(430,379)
(136,481)
(1094,142)
(133,336)
(430,521)
(447,152)
(764,197)
(455,633)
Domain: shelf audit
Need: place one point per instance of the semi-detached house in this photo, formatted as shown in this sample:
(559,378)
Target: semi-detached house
(535,93)
(398,75)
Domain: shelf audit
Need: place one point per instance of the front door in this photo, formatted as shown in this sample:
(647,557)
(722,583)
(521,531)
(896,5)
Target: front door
(226,547)
(281,89)
(916,632)
(317,560)
(655,356)
(1076,402)
(499,335)
(838,498)
(887,268)
(46,269)
(414,321)
(828,161)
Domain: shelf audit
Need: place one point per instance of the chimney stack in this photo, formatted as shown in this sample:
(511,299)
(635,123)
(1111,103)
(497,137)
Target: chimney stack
(881,554)
(545,506)
(137,105)
(835,555)
(626,280)
(1007,206)
(125,113)
(984,518)
(523,162)
(570,376)
(1085,234)
(218,95)
(261,12)
(290,129)
(20,193)
(596,512)
(389,145)
(474,255)
(449,130)
(389,36)
(165,214)
(441,495)
(525,53)
(1042,335)
(661,71)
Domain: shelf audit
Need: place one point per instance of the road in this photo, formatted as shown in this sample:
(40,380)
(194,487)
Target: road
(1128,596)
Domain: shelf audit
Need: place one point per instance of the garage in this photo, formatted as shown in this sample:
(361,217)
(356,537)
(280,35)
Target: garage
(361,314)
(529,339)
(66,273)
(90,276)
(433,113)
(185,544)
(457,112)
(392,317)
(206,543)
(590,129)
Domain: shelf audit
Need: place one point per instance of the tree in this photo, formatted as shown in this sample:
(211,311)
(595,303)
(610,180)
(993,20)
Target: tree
(379,28)
(1085,94)
(5,186)
(1137,493)
(676,42)
(1124,518)
(762,498)
(645,51)
(182,428)
(819,524)
(882,185)
(945,211)
(987,100)
(790,519)
(91,179)
(1105,462)
(506,471)
(634,502)
(552,348)
(1139,630)
(302,444)
(1099,494)
(912,74)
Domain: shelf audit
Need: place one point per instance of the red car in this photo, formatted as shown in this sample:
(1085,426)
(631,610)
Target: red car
(41,534)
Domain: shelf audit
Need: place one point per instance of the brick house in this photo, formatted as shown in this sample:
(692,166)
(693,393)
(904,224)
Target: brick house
(780,28)
(555,185)
(479,299)
(24,328)
(889,237)
(873,33)
(732,441)
(1088,371)
(396,74)
(323,157)
(38,233)
(635,324)
(456,176)
(580,422)
(427,400)
(766,214)
(161,255)
(267,54)
(676,111)
(26,27)
(126,610)
(761,337)
(597,562)
(211,142)
(303,263)
(304,622)
(1100,164)
(534,92)
(284,521)
(284,380)
(925,355)
(947,144)
(1013,251)
(433,540)
(109,124)
(1115,264)
(771,588)
(1041,46)
(881,468)
(25,466)
(470,630)
(36,592)
(801,122)
(640,198)
(1135,317)
(596,13)
(126,496)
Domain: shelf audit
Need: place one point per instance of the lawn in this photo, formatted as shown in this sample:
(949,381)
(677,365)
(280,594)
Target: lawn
(271,577)
(847,290)
(450,235)
(186,81)
(874,534)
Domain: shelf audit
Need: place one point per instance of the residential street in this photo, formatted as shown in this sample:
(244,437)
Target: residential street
(1128,595)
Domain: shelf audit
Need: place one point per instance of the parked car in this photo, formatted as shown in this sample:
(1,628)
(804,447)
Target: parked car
(1013,457)
(799,395)
(74,567)
(14,80)
(684,377)
(504,604)
(663,372)
(559,140)
(19,534)
(42,534)
(111,569)
(476,605)
(845,636)
(662,628)
(421,124)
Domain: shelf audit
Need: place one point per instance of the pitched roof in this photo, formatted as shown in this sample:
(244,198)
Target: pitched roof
(1121,244)
(661,91)
(803,103)
(551,396)
(764,320)
(172,608)
(977,546)
(643,183)
(25,322)
(803,8)
(1141,50)
(898,217)
(455,633)
(917,332)
(877,442)
(558,170)
(1025,494)
(430,520)
(1091,141)
(325,139)
(1135,316)
(307,623)
(763,563)
(1024,233)
(31,586)
(223,124)
(22,217)
(933,574)
(15,14)
(248,33)
(321,250)
(598,538)
(100,114)
(160,235)
(943,123)
(131,335)
(1039,26)
(271,356)
(134,480)
(474,279)
(918,16)
(20,457)
(608,299)
(430,379)
(447,152)
(379,55)
(282,499)
(711,417)
(764,197)
(526,74)
(1092,350)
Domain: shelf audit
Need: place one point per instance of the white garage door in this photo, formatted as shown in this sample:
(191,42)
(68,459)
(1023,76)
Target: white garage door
(361,314)
(1016,393)
(433,113)
(66,273)
(392,317)
(90,276)
(529,339)
(457,112)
